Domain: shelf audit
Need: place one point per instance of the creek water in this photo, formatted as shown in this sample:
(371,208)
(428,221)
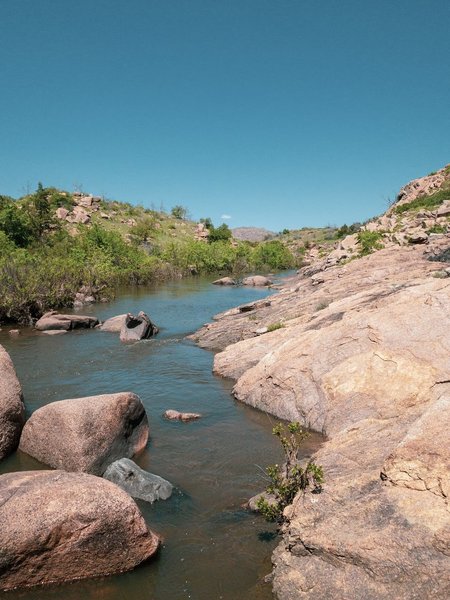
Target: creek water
(212,547)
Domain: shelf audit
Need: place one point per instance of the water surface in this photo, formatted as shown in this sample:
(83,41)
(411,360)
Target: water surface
(213,548)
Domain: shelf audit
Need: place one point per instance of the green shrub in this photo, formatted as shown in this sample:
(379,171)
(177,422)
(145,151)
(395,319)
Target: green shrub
(179,212)
(426,202)
(274,326)
(272,255)
(219,234)
(290,478)
(437,229)
(369,241)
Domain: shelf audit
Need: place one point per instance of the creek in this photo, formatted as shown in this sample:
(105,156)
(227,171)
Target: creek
(212,547)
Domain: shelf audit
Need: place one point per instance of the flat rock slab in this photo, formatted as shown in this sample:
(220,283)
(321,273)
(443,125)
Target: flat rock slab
(12,410)
(175,415)
(53,320)
(138,483)
(86,434)
(58,526)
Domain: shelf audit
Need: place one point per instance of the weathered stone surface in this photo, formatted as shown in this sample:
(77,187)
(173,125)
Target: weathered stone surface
(372,371)
(224,281)
(137,328)
(175,415)
(58,526)
(55,320)
(12,411)
(257,280)
(113,324)
(138,483)
(61,213)
(86,434)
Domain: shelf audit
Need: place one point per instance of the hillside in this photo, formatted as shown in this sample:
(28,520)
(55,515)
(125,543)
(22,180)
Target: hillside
(356,346)
(59,249)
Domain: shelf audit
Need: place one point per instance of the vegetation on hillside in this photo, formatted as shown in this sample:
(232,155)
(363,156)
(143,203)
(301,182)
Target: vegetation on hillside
(426,202)
(44,260)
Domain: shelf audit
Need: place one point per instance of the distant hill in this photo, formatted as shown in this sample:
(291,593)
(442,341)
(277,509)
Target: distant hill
(252,234)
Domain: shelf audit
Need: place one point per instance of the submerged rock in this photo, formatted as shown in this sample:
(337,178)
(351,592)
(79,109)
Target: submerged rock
(58,526)
(138,483)
(175,415)
(86,434)
(137,328)
(224,281)
(12,410)
(55,320)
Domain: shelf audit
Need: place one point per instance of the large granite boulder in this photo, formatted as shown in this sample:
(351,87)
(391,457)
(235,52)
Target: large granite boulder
(58,526)
(12,412)
(54,320)
(86,434)
(138,483)
(137,328)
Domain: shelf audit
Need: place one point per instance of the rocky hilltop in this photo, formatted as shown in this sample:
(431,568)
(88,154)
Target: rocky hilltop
(357,346)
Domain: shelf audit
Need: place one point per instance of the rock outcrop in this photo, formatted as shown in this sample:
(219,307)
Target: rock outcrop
(138,483)
(363,357)
(55,321)
(58,526)
(12,411)
(86,434)
(137,328)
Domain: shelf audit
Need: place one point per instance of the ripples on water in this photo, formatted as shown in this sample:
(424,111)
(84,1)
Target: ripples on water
(212,549)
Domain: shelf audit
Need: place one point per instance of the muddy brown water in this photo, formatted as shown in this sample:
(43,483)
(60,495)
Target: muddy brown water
(213,549)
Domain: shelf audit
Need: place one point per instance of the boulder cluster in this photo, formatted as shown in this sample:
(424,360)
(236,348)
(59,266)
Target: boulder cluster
(78,520)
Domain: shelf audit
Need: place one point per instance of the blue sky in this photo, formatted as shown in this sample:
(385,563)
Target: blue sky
(280,113)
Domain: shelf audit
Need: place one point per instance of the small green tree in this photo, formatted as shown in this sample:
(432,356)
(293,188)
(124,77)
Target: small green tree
(290,478)
(219,234)
(179,212)
(41,217)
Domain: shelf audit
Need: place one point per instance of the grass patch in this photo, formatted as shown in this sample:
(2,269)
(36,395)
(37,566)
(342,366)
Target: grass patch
(369,241)
(274,326)
(426,202)
(437,229)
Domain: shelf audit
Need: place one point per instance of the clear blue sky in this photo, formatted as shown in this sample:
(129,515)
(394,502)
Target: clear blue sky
(278,113)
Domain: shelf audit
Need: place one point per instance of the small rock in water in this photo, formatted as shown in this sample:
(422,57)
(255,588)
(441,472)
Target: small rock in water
(175,415)
(252,504)
(224,281)
(138,483)
(14,332)
(137,328)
